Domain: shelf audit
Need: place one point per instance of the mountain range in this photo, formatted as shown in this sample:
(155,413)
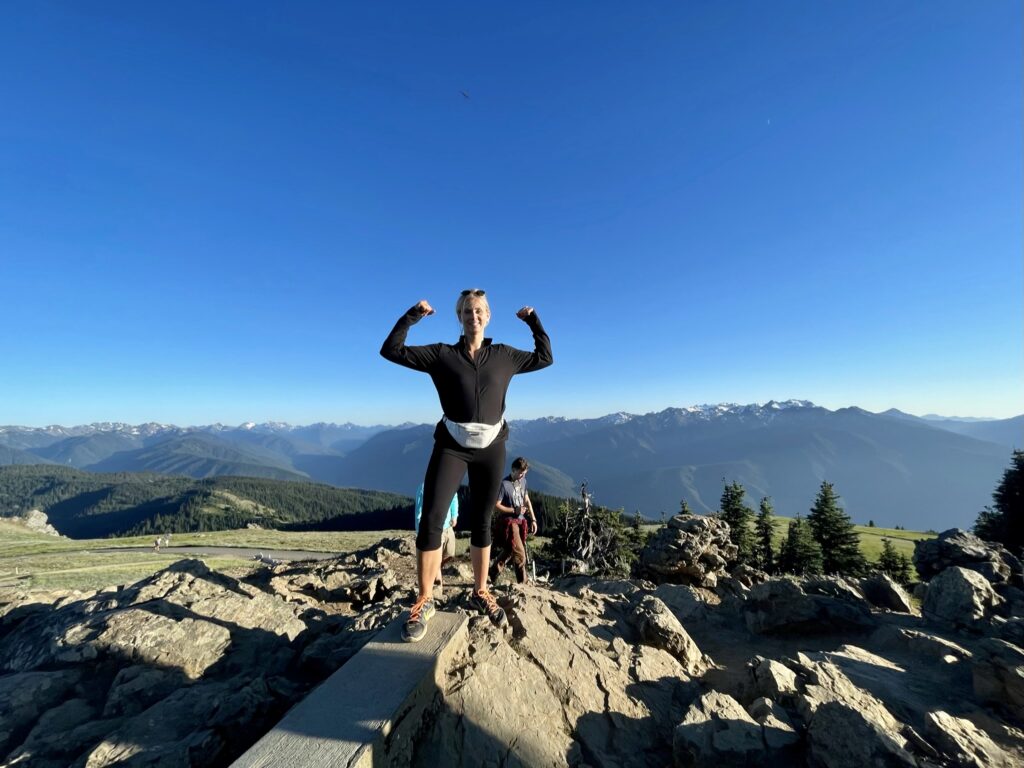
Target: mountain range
(891,467)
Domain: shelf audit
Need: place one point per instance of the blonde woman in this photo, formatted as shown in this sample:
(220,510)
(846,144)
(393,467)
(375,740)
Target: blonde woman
(471,378)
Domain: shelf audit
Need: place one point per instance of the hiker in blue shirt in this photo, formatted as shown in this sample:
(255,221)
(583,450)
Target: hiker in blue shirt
(447,535)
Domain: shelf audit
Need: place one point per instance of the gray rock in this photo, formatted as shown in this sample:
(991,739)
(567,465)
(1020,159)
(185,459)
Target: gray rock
(36,520)
(921,644)
(780,737)
(781,606)
(957,547)
(773,679)
(180,617)
(192,726)
(140,636)
(960,597)
(691,549)
(717,732)
(138,687)
(882,592)
(684,601)
(61,733)
(841,736)
(748,576)
(659,627)
(998,670)
(963,743)
(25,696)
(827,683)
(832,586)
(580,688)
(1012,631)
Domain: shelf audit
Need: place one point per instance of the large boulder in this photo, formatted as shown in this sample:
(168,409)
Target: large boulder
(841,736)
(998,668)
(36,520)
(883,592)
(957,547)
(780,606)
(195,725)
(27,695)
(963,743)
(659,627)
(690,549)
(717,732)
(566,683)
(960,597)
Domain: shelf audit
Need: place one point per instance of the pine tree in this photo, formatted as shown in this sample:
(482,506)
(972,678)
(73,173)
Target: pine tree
(684,508)
(833,530)
(1005,522)
(764,527)
(895,564)
(739,517)
(800,553)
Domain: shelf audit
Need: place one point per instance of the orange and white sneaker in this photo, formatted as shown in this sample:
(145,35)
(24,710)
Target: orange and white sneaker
(416,627)
(484,602)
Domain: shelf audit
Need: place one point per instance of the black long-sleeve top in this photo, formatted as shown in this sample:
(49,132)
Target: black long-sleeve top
(471,390)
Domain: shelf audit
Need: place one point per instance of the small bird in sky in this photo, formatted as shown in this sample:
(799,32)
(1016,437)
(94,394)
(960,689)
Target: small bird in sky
(465,94)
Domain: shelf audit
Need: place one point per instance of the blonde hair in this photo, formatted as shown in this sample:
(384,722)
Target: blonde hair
(466,295)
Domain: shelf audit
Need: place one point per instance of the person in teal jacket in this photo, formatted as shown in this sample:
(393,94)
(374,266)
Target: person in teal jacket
(447,535)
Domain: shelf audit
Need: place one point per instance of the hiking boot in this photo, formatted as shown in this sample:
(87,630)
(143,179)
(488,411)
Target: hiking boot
(521,573)
(416,627)
(484,602)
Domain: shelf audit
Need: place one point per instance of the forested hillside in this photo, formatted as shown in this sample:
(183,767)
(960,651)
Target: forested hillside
(86,505)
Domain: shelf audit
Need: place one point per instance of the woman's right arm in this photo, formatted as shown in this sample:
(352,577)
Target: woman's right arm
(394,348)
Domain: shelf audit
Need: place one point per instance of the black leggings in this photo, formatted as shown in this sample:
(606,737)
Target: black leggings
(448,464)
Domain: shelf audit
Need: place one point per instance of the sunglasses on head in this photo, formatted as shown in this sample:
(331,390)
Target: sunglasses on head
(473,292)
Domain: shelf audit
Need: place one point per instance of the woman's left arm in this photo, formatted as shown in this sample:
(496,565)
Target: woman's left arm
(541,355)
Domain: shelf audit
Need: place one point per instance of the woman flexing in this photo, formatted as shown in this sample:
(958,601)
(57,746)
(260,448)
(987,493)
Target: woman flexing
(471,377)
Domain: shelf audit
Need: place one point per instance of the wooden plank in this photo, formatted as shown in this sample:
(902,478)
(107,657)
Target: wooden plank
(340,722)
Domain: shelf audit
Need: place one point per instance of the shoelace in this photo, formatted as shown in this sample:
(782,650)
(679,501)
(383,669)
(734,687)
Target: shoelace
(488,598)
(417,609)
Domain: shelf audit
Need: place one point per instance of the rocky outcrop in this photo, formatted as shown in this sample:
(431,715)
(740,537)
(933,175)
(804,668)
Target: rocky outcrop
(959,548)
(998,669)
(960,597)
(190,667)
(691,549)
(781,606)
(964,742)
(178,669)
(882,592)
(659,627)
(717,731)
(587,688)
(36,520)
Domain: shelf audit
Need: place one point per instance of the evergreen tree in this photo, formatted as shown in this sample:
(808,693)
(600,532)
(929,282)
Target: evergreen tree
(895,564)
(1005,522)
(739,517)
(800,553)
(833,530)
(764,527)
(684,508)
(637,520)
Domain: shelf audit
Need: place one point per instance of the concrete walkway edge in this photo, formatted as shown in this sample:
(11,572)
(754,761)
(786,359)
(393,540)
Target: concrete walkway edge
(347,717)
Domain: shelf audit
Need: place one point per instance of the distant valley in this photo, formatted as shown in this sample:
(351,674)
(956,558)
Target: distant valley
(892,468)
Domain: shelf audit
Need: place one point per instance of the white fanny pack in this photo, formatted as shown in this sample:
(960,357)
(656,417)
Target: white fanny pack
(471,434)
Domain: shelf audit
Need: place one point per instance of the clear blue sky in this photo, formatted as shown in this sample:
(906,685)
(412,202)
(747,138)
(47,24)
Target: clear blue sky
(216,211)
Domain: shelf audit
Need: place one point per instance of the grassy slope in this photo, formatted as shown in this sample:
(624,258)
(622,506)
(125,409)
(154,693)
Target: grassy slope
(32,560)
